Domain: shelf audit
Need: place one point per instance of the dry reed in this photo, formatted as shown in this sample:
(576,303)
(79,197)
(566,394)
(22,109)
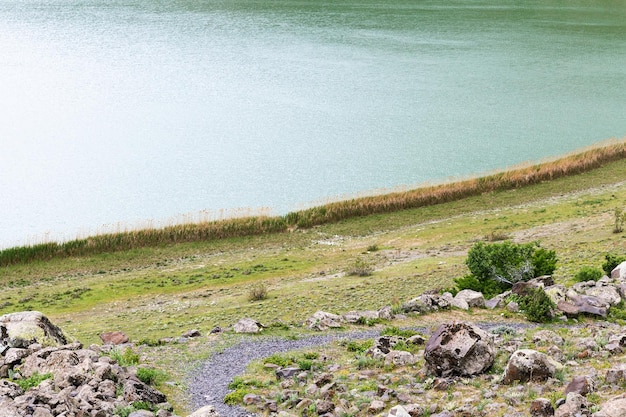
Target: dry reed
(328,213)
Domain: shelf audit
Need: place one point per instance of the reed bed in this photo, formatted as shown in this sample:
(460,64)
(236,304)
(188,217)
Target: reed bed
(520,176)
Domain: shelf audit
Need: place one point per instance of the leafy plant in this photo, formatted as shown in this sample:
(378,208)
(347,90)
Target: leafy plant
(359,346)
(611,261)
(537,305)
(150,376)
(587,273)
(32,381)
(126,358)
(395,331)
(495,267)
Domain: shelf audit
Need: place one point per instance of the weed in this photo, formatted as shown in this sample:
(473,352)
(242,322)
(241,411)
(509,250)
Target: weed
(537,305)
(235,397)
(359,346)
(395,331)
(360,268)
(150,376)
(125,358)
(258,292)
(32,381)
(373,248)
(611,261)
(619,218)
(278,359)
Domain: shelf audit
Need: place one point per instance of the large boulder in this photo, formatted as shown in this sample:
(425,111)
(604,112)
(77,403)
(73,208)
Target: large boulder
(459,349)
(247,325)
(114,338)
(619,272)
(471,297)
(615,407)
(26,327)
(529,365)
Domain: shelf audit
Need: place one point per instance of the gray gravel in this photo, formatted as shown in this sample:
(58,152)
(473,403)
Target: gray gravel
(208,385)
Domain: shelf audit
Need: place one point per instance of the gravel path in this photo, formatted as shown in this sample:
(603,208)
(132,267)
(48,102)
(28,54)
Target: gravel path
(208,385)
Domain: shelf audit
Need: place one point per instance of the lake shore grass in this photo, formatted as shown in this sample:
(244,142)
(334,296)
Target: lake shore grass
(524,175)
(162,291)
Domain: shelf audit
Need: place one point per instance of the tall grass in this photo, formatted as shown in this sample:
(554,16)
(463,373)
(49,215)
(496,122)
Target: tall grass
(328,213)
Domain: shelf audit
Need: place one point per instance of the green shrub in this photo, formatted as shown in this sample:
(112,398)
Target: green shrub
(258,292)
(32,381)
(537,305)
(305,364)
(395,331)
(588,273)
(278,359)
(495,267)
(611,261)
(126,358)
(235,397)
(150,376)
(359,346)
(360,268)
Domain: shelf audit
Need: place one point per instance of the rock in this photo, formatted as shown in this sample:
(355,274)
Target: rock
(608,294)
(619,272)
(513,307)
(417,339)
(135,390)
(206,411)
(569,309)
(400,358)
(472,298)
(541,407)
(582,385)
(324,406)
(114,338)
(615,407)
(575,406)
(376,406)
(497,301)
(322,320)
(547,337)
(247,325)
(459,349)
(557,293)
(31,326)
(140,413)
(426,303)
(616,374)
(289,372)
(588,304)
(14,356)
(398,411)
(385,313)
(192,333)
(529,365)
(360,317)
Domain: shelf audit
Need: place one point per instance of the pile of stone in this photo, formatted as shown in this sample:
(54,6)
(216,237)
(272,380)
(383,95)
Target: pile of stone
(77,381)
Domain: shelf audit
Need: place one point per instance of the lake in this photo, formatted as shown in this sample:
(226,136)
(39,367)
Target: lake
(144,112)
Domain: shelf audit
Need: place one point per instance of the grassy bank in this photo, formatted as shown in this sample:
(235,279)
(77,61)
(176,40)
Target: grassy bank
(164,290)
(569,165)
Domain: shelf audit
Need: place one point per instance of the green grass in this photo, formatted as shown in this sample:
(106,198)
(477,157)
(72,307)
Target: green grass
(165,290)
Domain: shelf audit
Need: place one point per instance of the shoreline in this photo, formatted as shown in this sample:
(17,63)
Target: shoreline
(527,174)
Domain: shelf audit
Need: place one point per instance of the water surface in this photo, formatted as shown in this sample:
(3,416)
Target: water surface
(124,111)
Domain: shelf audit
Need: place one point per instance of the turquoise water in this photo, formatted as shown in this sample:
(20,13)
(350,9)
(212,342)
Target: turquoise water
(115,113)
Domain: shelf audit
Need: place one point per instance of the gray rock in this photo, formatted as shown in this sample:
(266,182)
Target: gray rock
(398,411)
(400,358)
(575,406)
(615,407)
(32,326)
(541,407)
(529,365)
(616,374)
(459,349)
(619,272)
(322,320)
(247,325)
(141,413)
(472,298)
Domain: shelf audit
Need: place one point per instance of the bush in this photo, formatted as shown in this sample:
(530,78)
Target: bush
(588,273)
(32,381)
(126,358)
(258,292)
(611,261)
(537,305)
(360,268)
(495,267)
(150,376)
